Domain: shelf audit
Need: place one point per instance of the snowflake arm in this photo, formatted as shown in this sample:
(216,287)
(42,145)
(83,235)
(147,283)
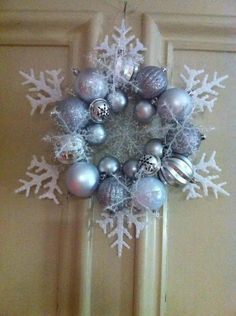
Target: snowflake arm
(47,88)
(205,181)
(43,172)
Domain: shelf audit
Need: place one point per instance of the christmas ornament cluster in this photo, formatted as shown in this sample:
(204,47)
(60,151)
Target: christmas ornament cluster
(124,135)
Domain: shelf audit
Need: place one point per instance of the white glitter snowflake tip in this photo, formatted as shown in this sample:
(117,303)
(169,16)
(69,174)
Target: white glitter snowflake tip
(203,180)
(202,91)
(46,90)
(45,176)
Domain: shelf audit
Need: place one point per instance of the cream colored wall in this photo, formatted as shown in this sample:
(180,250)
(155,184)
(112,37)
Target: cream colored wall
(54,260)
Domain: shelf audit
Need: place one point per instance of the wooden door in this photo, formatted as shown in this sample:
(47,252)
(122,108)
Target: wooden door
(54,260)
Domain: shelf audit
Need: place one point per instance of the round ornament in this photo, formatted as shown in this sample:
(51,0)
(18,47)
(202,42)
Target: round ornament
(117,100)
(154,147)
(90,85)
(184,140)
(176,170)
(149,164)
(99,110)
(71,114)
(96,134)
(108,166)
(125,68)
(174,104)
(111,193)
(130,168)
(151,81)
(149,193)
(82,179)
(144,111)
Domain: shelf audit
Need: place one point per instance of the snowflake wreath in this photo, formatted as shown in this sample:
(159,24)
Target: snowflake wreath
(124,135)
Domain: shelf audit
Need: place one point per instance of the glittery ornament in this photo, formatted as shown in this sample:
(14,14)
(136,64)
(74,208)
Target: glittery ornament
(108,166)
(99,110)
(154,147)
(144,111)
(151,81)
(176,170)
(184,140)
(130,168)
(117,100)
(112,194)
(71,114)
(90,85)
(125,68)
(149,164)
(96,134)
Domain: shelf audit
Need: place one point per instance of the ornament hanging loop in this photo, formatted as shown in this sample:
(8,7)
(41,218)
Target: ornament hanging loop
(125,8)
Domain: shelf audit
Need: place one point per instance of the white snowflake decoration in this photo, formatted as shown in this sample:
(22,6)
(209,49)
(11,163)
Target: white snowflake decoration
(203,179)
(46,90)
(45,176)
(203,92)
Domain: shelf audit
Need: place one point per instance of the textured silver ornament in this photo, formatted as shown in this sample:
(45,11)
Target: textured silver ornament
(96,134)
(82,179)
(144,111)
(174,104)
(130,168)
(71,114)
(90,85)
(151,81)
(112,194)
(149,164)
(117,100)
(176,170)
(99,110)
(184,140)
(154,147)
(108,166)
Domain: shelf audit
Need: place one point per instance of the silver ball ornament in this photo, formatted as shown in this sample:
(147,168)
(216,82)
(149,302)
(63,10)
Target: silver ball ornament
(144,111)
(90,85)
(117,100)
(96,134)
(82,179)
(130,168)
(174,104)
(149,193)
(108,166)
(111,193)
(71,114)
(154,147)
(149,164)
(99,110)
(151,81)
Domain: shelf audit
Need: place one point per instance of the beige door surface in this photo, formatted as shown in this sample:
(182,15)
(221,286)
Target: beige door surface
(54,260)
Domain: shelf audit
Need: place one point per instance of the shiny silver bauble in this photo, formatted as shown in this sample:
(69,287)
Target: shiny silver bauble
(125,68)
(176,170)
(108,166)
(90,85)
(130,168)
(99,110)
(144,111)
(154,147)
(174,104)
(149,164)
(96,134)
(151,81)
(82,179)
(117,100)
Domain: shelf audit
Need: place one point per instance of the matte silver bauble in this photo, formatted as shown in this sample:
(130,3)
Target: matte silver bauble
(99,110)
(112,194)
(82,179)
(149,194)
(90,85)
(174,104)
(144,111)
(130,168)
(151,81)
(184,140)
(108,166)
(118,101)
(176,170)
(149,164)
(71,114)
(154,147)
(96,134)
